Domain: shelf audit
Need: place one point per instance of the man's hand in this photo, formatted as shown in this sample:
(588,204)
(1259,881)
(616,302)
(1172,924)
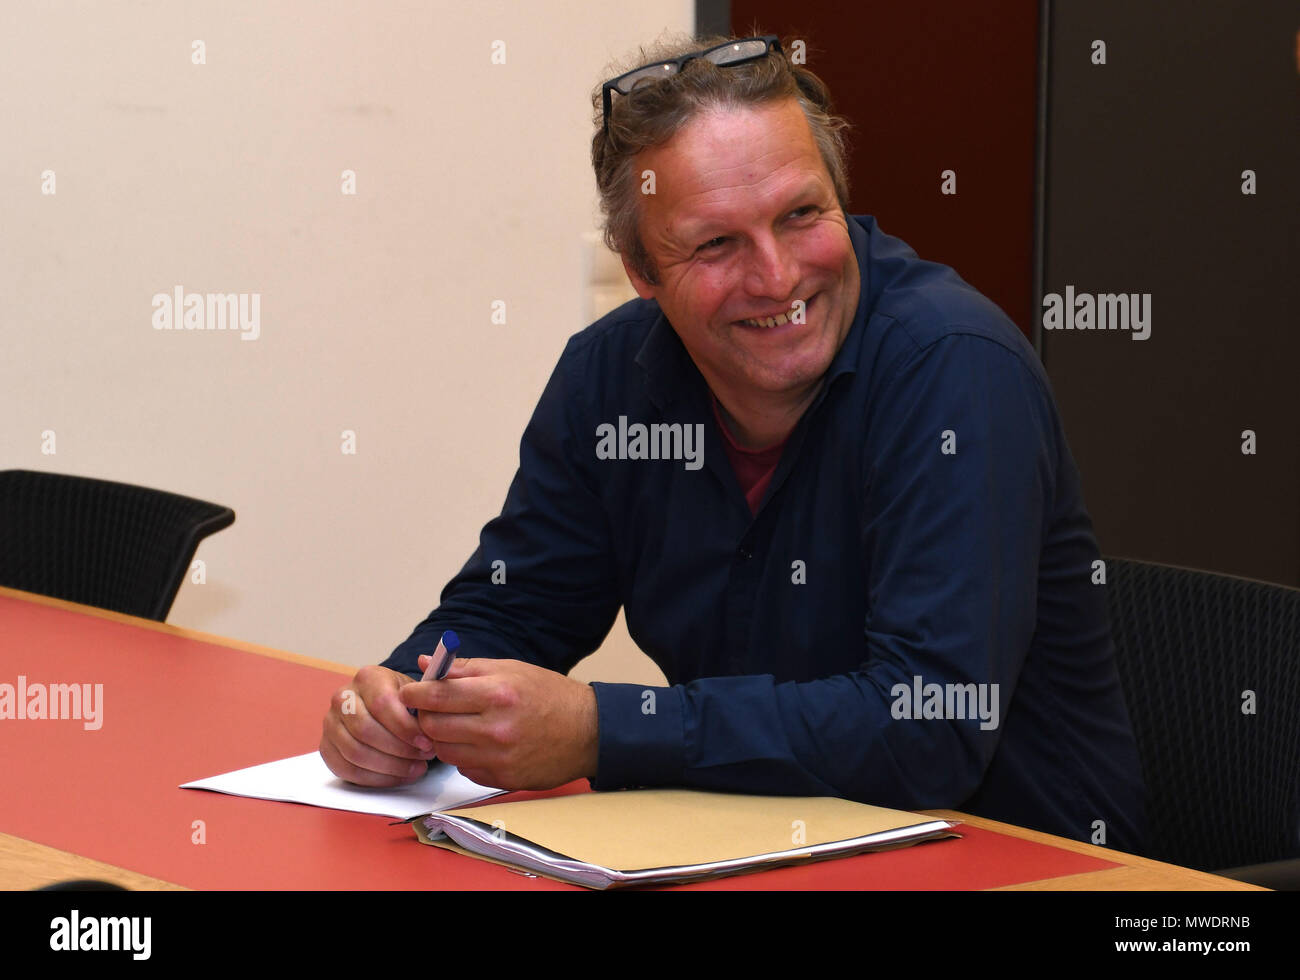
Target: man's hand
(369,737)
(508,724)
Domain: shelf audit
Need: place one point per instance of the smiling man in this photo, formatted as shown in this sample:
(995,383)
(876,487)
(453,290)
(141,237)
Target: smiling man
(878,585)
(755,268)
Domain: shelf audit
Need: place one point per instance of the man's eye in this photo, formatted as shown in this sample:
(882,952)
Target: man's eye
(715,243)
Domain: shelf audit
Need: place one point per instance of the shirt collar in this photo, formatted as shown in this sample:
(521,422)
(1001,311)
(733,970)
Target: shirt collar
(670,371)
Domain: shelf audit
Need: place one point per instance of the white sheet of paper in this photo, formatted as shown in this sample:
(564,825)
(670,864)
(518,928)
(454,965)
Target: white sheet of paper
(306,779)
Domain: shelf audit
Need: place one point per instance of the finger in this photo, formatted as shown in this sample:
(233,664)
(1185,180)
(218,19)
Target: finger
(455,695)
(354,716)
(477,667)
(445,729)
(394,731)
(345,769)
(460,666)
(368,759)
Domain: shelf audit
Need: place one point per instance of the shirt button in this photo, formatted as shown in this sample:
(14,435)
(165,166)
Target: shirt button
(745,553)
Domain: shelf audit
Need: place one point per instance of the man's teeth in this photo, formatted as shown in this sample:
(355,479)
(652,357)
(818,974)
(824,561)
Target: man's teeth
(769,321)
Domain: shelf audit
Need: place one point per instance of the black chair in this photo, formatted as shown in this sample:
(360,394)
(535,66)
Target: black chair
(1223,785)
(105,544)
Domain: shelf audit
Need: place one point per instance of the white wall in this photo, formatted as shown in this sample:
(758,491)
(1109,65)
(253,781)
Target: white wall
(473,185)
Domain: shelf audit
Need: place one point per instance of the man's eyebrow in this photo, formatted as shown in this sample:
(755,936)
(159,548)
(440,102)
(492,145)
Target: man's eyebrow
(690,229)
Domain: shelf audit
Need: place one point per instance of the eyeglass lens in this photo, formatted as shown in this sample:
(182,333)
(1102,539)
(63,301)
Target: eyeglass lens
(739,51)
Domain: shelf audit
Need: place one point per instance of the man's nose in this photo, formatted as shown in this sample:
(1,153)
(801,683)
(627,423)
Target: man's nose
(774,270)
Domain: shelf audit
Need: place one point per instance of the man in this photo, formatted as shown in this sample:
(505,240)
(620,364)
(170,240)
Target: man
(873,579)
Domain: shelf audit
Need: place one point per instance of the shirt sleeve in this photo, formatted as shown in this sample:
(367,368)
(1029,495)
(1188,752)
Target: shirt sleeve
(959,468)
(541,585)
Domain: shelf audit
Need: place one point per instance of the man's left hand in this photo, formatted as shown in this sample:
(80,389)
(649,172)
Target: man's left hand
(508,724)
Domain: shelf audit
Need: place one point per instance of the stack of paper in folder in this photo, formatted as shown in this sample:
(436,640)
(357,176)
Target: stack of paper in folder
(658,836)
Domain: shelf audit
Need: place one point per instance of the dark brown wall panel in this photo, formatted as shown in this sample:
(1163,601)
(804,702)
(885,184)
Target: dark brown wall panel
(1145,156)
(934,86)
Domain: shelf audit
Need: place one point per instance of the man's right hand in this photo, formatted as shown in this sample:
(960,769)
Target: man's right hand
(369,737)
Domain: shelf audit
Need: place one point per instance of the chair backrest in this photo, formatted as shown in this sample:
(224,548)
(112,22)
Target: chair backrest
(1210,666)
(105,544)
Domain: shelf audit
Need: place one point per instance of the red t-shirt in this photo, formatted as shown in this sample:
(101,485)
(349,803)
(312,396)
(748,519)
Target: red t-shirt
(753,467)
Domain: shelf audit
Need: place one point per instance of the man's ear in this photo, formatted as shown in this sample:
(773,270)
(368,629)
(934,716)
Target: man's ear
(643,288)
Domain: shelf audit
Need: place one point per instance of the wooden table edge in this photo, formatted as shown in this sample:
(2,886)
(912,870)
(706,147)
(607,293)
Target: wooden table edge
(27,865)
(1162,874)
(180,631)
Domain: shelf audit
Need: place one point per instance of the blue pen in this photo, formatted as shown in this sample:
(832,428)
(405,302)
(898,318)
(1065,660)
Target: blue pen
(442,657)
(441,661)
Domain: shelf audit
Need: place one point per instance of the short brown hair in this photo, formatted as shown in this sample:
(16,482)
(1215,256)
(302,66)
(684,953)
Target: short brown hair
(654,112)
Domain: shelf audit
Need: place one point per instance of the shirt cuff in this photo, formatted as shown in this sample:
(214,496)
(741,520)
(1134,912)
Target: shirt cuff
(642,738)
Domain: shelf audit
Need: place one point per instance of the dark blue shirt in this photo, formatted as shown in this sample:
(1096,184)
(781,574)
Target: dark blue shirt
(925,526)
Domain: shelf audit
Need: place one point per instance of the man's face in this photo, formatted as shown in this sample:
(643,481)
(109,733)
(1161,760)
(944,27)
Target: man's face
(744,221)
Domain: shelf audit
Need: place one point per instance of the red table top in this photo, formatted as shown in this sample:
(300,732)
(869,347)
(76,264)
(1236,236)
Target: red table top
(176,709)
